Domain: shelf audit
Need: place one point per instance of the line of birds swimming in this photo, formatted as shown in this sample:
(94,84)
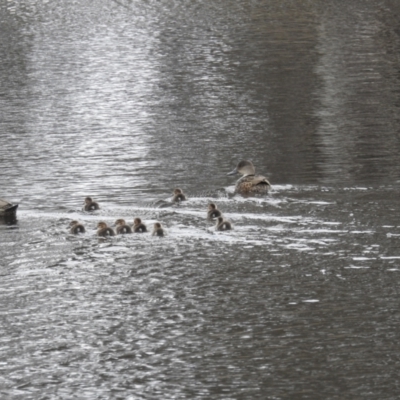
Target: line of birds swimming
(249,183)
(121,227)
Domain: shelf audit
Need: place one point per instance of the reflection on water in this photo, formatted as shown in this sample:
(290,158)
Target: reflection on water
(124,102)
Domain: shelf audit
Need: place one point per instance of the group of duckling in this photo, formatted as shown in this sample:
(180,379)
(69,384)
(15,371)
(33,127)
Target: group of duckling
(121,227)
(248,184)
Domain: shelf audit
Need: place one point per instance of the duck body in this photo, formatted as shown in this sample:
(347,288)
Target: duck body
(76,227)
(104,230)
(8,209)
(90,205)
(139,226)
(250,183)
(223,224)
(256,184)
(122,227)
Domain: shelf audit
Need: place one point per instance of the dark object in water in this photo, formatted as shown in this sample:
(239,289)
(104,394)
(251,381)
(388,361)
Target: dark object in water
(7,209)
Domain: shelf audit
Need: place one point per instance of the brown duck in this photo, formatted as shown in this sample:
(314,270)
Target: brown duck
(250,183)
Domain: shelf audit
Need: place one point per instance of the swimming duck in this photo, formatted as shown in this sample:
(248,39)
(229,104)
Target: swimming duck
(122,227)
(249,183)
(178,195)
(7,209)
(213,212)
(139,226)
(104,230)
(76,227)
(223,225)
(90,205)
(158,230)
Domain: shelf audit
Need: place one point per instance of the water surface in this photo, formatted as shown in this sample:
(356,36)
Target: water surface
(123,102)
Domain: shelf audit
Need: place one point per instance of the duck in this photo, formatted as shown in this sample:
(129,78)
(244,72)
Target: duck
(223,224)
(158,230)
(122,227)
(90,205)
(76,227)
(7,209)
(104,230)
(213,212)
(178,195)
(139,226)
(250,183)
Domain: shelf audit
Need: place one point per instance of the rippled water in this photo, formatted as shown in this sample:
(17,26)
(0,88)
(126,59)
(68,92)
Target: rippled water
(124,101)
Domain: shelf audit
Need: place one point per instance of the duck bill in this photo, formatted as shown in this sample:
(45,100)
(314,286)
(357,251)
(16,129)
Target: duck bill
(234,172)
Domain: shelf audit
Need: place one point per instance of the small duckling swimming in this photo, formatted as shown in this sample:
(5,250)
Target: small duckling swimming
(223,225)
(139,226)
(76,227)
(90,205)
(178,195)
(250,183)
(104,230)
(213,212)
(122,227)
(158,230)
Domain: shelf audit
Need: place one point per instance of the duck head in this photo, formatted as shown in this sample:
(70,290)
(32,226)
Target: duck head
(244,168)
(120,222)
(101,225)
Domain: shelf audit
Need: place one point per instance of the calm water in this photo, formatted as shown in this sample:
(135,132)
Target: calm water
(124,101)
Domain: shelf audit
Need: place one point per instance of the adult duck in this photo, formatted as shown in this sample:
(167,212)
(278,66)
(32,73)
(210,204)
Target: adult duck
(250,183)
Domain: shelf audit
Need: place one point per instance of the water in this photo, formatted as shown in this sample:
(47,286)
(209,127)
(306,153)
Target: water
(125,101)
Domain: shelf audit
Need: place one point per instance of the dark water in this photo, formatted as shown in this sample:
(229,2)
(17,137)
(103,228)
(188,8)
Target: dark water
(126,100)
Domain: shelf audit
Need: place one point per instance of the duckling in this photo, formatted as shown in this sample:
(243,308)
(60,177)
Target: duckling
(139,226)
(122,227)
(213,212)
(178,195)
(158,230)
(250,183)
(90,205)
(104,230)
(223,225)
(76,227)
